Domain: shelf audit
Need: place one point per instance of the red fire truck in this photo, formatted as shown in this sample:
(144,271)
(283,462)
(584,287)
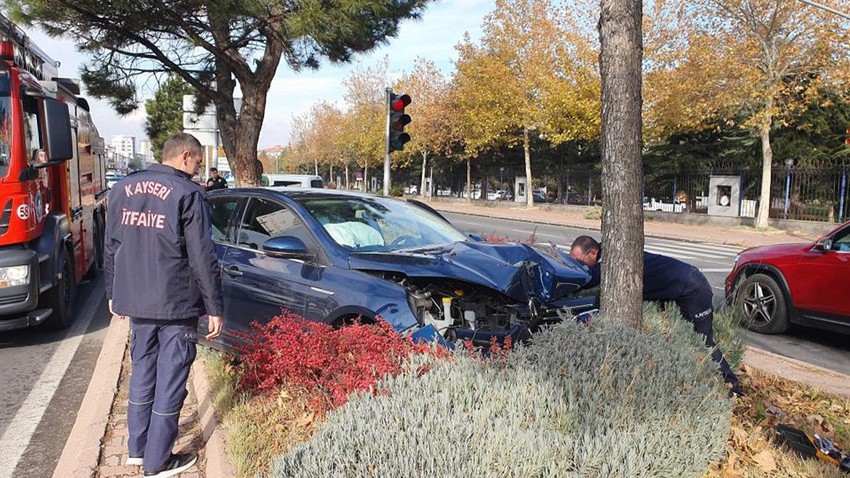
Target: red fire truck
(52,187)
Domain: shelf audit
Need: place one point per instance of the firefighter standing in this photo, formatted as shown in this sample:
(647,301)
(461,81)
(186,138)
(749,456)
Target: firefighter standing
(162,272)
(668,279)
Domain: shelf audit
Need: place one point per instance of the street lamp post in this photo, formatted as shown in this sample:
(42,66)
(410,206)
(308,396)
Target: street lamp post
(788,163)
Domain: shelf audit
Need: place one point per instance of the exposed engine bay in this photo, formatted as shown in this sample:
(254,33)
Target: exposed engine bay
(453,306)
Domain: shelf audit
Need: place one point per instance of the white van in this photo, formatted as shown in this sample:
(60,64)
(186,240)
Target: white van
(292,180)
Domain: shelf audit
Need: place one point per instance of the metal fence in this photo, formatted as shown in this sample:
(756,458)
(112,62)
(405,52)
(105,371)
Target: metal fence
(814,193)
(811,193)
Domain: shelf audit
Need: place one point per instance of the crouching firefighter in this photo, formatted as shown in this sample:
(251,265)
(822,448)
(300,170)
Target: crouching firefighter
(162,272)
(667,279)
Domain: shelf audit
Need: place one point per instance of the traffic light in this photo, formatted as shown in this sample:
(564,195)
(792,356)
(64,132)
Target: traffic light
(398,120)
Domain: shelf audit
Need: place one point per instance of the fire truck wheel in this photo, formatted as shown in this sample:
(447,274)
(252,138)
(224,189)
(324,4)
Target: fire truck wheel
(97,238)
(61,297)
(100,236)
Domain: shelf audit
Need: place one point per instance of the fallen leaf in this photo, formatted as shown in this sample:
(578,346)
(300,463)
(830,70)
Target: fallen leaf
(765,461)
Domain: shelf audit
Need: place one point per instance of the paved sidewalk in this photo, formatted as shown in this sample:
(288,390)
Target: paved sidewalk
(574,217)
(97,445)
(114,445)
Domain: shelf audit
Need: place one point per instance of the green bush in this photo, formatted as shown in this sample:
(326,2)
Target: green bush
(598,401)
(670,322)
(396,191)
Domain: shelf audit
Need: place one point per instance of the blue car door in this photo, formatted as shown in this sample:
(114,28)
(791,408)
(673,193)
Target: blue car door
(258,287)
(225,211)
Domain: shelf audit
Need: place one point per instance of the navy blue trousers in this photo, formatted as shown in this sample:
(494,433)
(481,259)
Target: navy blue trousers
(697,307)
(162,353)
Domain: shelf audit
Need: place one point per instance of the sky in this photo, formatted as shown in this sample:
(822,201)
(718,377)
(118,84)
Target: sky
(433,37)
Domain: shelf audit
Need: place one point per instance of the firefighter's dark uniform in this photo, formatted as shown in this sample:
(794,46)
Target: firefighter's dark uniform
(666,279)
(162,272)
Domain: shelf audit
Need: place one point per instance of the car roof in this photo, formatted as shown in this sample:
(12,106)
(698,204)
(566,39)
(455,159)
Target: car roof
(296,193)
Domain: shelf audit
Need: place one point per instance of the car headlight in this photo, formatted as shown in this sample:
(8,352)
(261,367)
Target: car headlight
(14,275)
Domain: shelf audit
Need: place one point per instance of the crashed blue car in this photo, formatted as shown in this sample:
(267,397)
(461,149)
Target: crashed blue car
(333,256)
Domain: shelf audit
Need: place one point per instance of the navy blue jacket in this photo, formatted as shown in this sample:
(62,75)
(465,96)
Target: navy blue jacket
(160,259)
(663,277)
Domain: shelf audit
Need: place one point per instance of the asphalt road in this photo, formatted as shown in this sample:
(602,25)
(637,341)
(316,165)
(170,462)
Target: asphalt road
(44,376)
(825,349)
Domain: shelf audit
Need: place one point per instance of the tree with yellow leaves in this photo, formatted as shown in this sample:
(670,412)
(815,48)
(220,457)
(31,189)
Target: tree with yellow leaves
(531,75)
(755,61)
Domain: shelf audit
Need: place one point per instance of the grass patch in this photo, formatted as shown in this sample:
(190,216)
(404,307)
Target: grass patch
(223,376)
(593,212)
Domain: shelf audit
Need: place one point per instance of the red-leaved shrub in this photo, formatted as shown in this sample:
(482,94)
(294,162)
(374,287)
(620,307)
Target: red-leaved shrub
(327,362)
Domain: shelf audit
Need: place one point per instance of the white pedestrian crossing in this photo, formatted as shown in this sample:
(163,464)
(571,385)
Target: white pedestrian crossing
(711,258)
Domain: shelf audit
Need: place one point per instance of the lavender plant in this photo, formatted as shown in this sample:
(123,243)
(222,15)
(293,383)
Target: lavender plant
(597,401)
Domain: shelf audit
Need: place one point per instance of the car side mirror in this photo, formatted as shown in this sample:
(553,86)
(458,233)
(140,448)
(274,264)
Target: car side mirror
(287,247)
(475,237)
(826,245)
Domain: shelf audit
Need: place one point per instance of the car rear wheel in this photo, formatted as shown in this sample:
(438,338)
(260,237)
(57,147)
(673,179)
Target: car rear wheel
(761,305)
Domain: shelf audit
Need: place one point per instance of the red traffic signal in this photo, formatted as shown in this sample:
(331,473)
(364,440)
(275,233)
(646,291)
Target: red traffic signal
(397,103)
(397,121)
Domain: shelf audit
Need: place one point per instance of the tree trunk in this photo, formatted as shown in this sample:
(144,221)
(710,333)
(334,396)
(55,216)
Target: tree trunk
(347,181)
(469,180)
(424,167)
(365,177)
(622,170)
(526,148)
(316,167)
(766,168)
(240,136)
(331,173)
(240,133)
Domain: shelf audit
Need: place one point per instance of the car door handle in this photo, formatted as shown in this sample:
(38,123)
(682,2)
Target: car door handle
(233,271)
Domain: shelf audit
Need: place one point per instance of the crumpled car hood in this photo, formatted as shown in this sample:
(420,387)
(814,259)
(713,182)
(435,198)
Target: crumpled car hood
(519,271)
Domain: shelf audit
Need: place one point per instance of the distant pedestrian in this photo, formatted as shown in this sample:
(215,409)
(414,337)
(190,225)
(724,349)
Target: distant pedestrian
(215,181)
(668,279)
(162,272)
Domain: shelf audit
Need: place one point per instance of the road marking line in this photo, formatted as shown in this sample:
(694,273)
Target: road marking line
(691,251)
(18,434)
(721,248)
(707,252)
(667,253)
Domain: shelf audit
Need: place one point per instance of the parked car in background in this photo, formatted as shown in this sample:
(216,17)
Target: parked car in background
(333,256)
(292,180)
(773,287)
(112,177)
(538,197)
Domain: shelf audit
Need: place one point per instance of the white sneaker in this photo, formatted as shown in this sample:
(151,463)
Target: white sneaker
(134,461)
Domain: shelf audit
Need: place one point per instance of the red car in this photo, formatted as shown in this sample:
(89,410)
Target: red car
(775,286)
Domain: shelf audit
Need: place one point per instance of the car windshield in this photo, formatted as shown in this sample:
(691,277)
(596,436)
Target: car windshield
(371,224)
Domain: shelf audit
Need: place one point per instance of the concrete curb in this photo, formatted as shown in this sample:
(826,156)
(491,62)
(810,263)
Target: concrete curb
(215,437)
(792,369)
(80,456)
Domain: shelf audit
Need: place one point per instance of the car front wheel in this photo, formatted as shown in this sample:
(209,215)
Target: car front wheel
(760,301)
